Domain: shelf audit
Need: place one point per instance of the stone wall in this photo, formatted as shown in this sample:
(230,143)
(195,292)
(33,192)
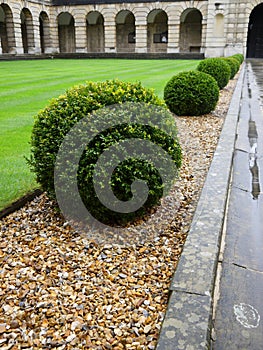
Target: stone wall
(208,27)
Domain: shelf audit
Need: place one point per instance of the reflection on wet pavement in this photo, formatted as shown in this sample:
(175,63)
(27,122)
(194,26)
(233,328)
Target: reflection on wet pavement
(238,322)
(253,166)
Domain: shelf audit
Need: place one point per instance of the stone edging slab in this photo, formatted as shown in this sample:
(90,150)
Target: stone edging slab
(187,323)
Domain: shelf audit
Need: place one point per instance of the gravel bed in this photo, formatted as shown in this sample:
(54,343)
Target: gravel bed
(62,290)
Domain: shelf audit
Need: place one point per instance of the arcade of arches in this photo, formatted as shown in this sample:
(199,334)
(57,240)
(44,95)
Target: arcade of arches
(213,29)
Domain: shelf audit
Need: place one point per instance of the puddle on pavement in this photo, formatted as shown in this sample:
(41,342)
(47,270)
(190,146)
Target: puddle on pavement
(253,166)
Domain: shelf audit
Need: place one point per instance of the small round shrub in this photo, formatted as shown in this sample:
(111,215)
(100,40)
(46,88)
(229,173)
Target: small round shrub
(239,57)
(54,122)
(191,93)
(233,64)
(217,68)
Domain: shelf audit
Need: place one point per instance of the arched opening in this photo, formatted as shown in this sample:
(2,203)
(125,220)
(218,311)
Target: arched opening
(125,31)
(95,32)
(255,33)
(219,26)
(157,31)
(44,31)
(7,34)
(27,31)
(190,31)
(66,33)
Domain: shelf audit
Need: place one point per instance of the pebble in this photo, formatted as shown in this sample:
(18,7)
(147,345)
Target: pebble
(62,290)
(2,328)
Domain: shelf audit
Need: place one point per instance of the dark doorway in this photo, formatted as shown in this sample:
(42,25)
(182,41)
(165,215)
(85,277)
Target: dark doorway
(125,31)
(95,32)
(66,32)
(7,34)
(255,33)
(44,32)
(157,31)
(190,31)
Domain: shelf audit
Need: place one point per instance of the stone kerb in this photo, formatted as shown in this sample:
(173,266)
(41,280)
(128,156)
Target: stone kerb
(188,317)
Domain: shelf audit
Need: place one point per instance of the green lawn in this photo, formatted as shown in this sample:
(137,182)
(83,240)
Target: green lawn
(27,86)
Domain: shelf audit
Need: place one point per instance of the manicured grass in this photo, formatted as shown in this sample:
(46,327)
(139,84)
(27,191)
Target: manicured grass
(27,86)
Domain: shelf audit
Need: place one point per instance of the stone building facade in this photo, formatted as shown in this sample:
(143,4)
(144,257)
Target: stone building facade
(211,27)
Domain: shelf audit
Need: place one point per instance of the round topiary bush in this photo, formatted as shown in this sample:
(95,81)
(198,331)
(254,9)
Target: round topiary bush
(239,57)
(217,68)
(86,104)
(233,64)
(191,93)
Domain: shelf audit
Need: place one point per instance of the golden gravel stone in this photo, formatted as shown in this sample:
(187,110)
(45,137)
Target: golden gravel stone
(2,328)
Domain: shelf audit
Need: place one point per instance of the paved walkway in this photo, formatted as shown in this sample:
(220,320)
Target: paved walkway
(239,313)
(216,297)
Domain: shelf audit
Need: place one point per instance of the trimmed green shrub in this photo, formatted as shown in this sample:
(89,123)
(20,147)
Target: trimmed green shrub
(217,68)
(131,169)
(233,64)
(239,57)
(191,93)
(54,122)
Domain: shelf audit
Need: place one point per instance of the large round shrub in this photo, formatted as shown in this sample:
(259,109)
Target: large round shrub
(233,65)
(191,93)
(217,68)
(54,122)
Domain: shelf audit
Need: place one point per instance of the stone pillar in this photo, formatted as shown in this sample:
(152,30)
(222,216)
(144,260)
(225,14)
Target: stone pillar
(141,38)
(110,39)
(81,36)
(54,35)
(241,31)
(36,49)
(110,36)
(216,29)
(48,39)
(80,30)
(233,30)
(18,36)
(203,38)
(173,36)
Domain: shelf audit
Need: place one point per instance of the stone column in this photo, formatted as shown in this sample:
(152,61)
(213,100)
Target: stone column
(203,38)
(81,32)
(141,38)
(48,39)
(110,34)
(18,36)
(173,36)
(36,49)
(214,38)
(54,35)
(234,38)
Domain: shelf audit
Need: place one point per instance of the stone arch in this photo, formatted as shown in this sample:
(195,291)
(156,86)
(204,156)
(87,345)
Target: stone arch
(44,30)
(27,31)
(255,33)
(219,25)
(157,31)
(95,32)
(7,33)
(125,31)
(191,30)
(66,33)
